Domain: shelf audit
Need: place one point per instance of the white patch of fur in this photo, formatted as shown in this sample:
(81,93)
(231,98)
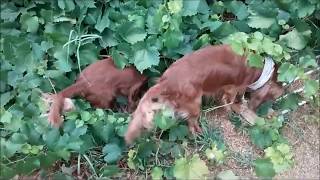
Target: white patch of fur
(68,104)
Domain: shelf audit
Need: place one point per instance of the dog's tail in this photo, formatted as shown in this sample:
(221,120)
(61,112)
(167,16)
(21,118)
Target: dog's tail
(62,102)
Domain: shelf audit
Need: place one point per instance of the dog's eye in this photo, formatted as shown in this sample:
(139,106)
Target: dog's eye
(154,99)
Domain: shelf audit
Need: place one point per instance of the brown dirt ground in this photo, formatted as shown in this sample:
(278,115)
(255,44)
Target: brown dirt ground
(302,133)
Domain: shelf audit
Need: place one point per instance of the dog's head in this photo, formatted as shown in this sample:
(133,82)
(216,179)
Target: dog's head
(143,116)
(270,91)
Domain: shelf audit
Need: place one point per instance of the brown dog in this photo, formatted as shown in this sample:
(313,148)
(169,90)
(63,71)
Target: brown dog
(203,72)
(99,83)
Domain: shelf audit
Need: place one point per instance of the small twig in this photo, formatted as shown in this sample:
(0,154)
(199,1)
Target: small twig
(78,167)
(217,107)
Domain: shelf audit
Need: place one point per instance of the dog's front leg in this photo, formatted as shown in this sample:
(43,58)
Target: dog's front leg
(193,110)
(193,125)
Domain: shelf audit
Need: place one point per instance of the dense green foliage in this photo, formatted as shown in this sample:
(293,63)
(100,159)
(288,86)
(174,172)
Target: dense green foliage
(45,43)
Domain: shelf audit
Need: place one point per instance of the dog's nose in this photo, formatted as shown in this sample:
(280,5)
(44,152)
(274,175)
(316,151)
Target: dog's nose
(176,114)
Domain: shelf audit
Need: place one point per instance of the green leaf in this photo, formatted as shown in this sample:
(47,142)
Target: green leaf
(215,154)
(88,54)
(307,61)
(112,153)
(264,168)
(28,165)
(227,175)
(67,5)
(64,153)
(238,8)
(257,21)
(172,38)
(255,60)
(290,102)
(193,168)
(47,160)
(156,173)
(104,131)
(29,23)
(224,30)
(164,120)
(103,21)
(63,63)
(86,3)
(108,39)
(145,58)
(237,47)
(280,156)
(260,137)
(110,170)
(85,115)
(131,33)
(202,41)
(9,12)
(212,25)
(296,40)
(119,60)
(51,137)
(305,8)
(175,6)
(8,148)
(6,172)
(179,132)
(193,7)
(311,87)
(287,72)
(146,149)
(5,116)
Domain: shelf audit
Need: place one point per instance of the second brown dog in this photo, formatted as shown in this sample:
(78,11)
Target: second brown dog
(99,84)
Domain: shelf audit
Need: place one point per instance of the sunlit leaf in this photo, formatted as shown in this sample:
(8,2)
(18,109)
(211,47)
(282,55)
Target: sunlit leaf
(264,168)
(156,173)
(190,168)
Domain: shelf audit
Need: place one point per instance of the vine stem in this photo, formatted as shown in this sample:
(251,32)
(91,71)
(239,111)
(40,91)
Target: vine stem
(54,89)
(22,159)
(157,160)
